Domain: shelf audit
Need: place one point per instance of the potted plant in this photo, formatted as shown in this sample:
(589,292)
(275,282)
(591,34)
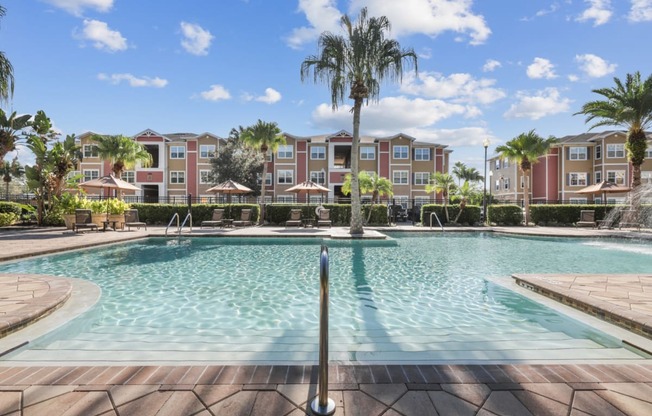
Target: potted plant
(98,211)
(68,203)
(116,209)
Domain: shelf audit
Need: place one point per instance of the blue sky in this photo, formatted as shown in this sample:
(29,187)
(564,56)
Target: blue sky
(487,69)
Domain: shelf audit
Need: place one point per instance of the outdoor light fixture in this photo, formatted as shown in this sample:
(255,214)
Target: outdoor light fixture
(485,144)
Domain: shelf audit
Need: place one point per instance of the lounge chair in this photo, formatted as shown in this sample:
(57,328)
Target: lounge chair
(295,218)
(216,219)
(629,219)
(131,220)
(83,221)
(245,219)
(324,217)
(587,218)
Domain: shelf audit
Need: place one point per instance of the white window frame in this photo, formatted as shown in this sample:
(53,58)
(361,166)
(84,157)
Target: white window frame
(128,176)
(72,174)
(177,152)
(577,153)
(90,174)
(318,176)
(577,179)
(497,188)
(88,151)
(401,177)
(598,152)
(206,151)
(648,152)
(285,176)
(505,163)
(285,198)
(367,153)
(615,150)
(422,153)
(421,200)
(506,183)
(285,151)
(576,200)
(646,176)
(421,178)
(317,152)
(598,176)
(497,167)
(177,177)
(401,152)
(618,176)
(204,176)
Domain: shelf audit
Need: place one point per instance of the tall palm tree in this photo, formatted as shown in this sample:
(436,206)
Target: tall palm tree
(525,149)
(465,173)
(464,192)
(357,64)
(122,152)
(11,131)
(64,157)
(10,170)
(263,136)
(629,106)
(378,186)
(441,183)
(6,72)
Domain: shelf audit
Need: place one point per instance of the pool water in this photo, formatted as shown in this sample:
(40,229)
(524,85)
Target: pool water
(413,298)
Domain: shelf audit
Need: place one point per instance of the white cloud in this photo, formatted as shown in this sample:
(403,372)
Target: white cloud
(460,88)
(322,15)
(133,80)
(599,11)
(594,66)
(462,137)
(541,68)
(196,40)
(543,103)
(573,78)
(641,11)
(491,65)
(271,96)
(76,7)
(102,36)
(216,93)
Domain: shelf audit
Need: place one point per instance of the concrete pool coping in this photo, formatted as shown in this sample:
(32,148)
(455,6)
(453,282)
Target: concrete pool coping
(359,389)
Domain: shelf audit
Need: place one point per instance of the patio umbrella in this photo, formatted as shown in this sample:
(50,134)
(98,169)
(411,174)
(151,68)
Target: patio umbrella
(109,182)
(309,188)
(229,188)
(604,188)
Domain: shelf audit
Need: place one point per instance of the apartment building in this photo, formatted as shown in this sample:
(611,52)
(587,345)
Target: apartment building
(181,164)
(573,163)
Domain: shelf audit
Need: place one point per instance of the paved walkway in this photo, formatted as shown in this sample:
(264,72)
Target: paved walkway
(564,389)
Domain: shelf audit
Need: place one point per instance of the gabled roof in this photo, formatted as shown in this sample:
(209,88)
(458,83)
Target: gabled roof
(150,132)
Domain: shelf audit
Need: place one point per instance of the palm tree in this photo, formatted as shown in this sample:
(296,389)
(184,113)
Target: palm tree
(525,149)
(370,183)
(6,72)
(356,64)
(64,158)
(630,106)
(10,170)
(441,183)
(122,152)
(264,136)
(465,173)
(464,192)
(11,131)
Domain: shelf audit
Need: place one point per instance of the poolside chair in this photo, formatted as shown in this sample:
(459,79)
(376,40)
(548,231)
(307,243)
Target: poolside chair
(216,219)
(629,219)
(587,218)
(83,221)
(245,219)
(131,220)
(324,217)
(295,218)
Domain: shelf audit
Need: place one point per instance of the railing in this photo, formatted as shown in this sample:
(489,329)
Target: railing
(175,216)
(438,222)
(179,227)
(188,218)
(322,405)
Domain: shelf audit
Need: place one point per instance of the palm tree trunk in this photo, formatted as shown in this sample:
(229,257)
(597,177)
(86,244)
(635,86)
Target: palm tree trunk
(526,196)
(262,191)
(356,213)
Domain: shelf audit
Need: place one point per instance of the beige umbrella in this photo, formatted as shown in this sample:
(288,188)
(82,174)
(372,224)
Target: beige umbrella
(229,188)
(309,188)
(604,188)
(109,182)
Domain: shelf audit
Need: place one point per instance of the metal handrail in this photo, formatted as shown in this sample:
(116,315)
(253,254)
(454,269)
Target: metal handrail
(176,215)
(322,405)
(188,217)
(439,222)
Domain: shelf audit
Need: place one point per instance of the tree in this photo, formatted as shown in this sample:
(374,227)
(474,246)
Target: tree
(357,64)
(441,183)
(63,158)
(10,170)
(11,131)
(525,149)
(238,162)
(122,152)
(6,73)
(265,137)
(629,106)
(465,173)
(464,193)
(370,183)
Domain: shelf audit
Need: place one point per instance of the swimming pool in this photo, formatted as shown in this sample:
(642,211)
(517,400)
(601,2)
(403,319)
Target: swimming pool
(414,298)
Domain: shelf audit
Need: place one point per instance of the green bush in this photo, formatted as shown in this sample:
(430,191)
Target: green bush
(162,213)
(505,214)
(470,215)
(11,207)
(565,214)
(8,218)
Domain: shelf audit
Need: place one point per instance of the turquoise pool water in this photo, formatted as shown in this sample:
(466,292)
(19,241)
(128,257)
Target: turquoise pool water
(414,298)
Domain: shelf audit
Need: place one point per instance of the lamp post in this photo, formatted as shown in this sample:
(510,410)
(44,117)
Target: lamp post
(485,143)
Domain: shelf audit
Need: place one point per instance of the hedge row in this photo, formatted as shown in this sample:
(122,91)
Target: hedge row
(471,214)
(505,214)
(340,214)
(565,214)
(161,214)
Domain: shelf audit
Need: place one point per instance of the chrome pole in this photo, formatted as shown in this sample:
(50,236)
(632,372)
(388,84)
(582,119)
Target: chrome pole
(322,405)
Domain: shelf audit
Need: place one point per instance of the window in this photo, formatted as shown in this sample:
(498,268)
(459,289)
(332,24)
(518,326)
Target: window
(598,152)
(506,183)
(421,178)
(72,174)
(400,177)
(177,176)
(285,151)
(318,153)
(523,182)
(400,152)
(421,200)
(367,153)
(497,164)
(497,188)
(285,177)
(152,149)
(268,179)
(578,200)
(598,177)
(421,153)
(90,174)
(577,153)
(577,179)
(285,198)
(616,176)
(177,152)
(129,176)
(207,151)
(648,153)
(318,177)
(505,163)
(646,176)
(204,176)
(91,150)
(615,150)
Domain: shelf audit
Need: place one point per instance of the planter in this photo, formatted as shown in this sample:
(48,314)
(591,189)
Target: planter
(119,220)
(98,218)
(69,220)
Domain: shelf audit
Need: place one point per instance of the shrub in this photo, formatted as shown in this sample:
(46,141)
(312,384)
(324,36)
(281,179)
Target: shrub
(470,215)
(505,214)
(162,213)
(8,218)
(565,214)
(11,207)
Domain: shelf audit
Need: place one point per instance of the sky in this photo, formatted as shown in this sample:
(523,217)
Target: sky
(486,69)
